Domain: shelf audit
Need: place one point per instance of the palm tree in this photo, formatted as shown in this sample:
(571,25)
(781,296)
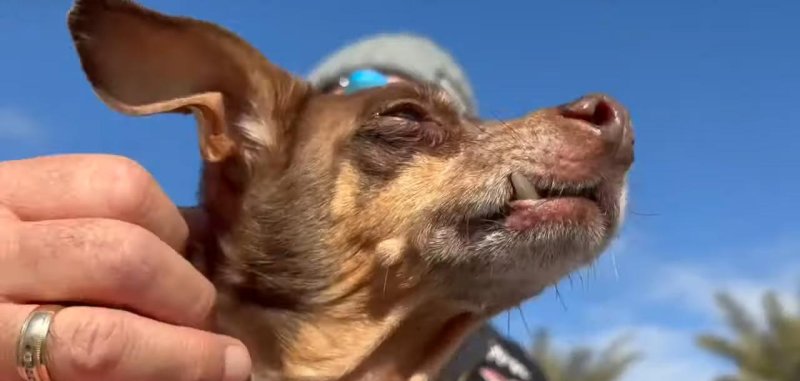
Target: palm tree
(768,353)
(582,363)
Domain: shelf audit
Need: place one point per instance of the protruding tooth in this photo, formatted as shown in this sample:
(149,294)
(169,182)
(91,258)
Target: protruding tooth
(523,187)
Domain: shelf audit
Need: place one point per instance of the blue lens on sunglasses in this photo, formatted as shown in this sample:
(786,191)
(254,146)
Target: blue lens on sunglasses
(364,79)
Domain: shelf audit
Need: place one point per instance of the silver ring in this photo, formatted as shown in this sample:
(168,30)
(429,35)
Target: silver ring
(32,345)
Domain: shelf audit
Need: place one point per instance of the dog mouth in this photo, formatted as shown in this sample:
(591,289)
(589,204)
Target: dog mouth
(538,203)
(527,189)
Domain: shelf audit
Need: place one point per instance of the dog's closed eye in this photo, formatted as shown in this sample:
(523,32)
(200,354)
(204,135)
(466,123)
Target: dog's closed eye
(405,124)
(408,110)
(395,134)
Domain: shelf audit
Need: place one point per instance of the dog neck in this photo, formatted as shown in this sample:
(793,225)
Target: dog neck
(412,339)
(405,345)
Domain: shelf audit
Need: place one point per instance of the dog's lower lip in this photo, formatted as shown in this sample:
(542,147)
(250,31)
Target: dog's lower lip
(525,215)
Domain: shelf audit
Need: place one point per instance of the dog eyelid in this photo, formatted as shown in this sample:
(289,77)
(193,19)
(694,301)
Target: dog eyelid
(408,110)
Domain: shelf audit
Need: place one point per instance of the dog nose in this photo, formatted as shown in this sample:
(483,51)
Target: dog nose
(607,115)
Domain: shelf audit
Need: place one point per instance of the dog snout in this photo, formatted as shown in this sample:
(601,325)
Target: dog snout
(608,116)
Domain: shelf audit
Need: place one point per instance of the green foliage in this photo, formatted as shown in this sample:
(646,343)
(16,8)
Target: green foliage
(582,363)
(761,353)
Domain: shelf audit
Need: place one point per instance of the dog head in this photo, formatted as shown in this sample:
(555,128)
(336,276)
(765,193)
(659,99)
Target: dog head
(363,236)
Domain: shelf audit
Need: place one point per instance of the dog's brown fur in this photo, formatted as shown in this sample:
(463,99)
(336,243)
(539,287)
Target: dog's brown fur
(353,237)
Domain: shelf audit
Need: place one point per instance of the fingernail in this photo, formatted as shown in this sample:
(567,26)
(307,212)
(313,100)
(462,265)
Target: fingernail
(237,364)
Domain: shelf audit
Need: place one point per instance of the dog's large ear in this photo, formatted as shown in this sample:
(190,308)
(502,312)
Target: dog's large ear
(141,62)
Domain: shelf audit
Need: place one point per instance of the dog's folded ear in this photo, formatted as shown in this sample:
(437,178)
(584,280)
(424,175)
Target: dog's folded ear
(141,62)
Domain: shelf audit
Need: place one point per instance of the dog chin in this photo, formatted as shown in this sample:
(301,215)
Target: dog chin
(495,267)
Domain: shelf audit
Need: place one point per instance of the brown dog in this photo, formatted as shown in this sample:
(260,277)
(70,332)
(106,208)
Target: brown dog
(363,236)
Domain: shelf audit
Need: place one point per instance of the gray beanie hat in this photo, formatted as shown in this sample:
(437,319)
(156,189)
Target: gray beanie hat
(414,56)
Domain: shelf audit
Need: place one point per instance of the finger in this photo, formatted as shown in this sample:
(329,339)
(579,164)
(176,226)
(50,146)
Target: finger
(101,344)
(96,186)
(6,215)
(107,262)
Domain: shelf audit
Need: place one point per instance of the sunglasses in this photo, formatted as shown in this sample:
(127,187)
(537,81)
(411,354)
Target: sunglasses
(362,79)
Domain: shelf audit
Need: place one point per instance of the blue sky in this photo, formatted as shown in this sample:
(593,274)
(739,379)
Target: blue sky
(712,86)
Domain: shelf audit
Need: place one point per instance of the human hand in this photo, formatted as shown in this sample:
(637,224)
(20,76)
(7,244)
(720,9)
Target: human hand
(96,233)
